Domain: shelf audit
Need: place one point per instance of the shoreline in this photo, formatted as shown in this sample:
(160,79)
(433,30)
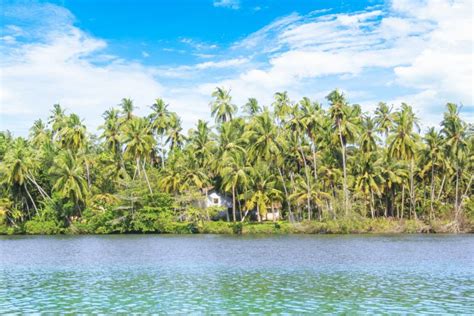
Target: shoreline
(325,227)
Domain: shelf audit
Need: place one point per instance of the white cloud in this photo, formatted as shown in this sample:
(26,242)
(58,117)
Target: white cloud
(231,4)
(420,51)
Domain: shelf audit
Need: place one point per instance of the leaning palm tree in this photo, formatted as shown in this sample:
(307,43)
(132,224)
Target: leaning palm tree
(222,108)
(16,171)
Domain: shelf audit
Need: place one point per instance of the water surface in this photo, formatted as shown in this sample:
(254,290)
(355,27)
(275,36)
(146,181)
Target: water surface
(428,274)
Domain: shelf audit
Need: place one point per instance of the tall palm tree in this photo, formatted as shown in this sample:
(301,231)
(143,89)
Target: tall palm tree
(234,173)
(160,122)
(175,137)
(454,131)
(262,135)
(222,108)
(403,144)
(338,112)
(384,118)
(111,132)
(139,142)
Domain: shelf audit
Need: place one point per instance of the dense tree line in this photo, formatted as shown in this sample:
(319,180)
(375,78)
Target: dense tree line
(315,162)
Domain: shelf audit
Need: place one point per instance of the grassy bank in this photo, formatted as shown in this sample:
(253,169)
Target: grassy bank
(341,226)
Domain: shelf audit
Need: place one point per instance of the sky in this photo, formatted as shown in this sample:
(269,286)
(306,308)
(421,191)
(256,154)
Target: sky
(87,55)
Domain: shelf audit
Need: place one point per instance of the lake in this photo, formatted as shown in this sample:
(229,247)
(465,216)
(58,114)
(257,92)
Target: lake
(203,274)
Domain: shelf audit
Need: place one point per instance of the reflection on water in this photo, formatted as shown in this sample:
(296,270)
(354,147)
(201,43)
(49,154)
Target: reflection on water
(218,274)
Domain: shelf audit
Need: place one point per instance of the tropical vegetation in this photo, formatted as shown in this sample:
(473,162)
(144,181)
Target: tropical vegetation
(318,164)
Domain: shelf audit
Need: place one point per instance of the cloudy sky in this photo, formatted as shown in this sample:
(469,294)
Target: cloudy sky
(87,55)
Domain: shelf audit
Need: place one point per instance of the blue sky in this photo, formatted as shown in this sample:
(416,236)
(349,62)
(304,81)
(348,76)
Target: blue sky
(87,55)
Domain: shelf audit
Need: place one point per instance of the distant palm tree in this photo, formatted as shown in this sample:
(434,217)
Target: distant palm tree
(222,108)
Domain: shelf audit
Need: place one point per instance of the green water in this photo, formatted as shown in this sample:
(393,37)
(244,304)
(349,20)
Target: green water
(237,275)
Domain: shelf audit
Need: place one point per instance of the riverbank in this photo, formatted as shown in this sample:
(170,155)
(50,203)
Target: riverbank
(340,226)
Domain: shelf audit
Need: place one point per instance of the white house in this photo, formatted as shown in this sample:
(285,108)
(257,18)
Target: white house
(215,198)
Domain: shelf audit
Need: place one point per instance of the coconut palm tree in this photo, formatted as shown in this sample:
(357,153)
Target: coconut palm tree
(222,108)
(139,142)
(69,179)
(338,112)
(235,172)
(160,119)
(175,137)
(403,144)
(252,107)
(73,134)
(454,131)
(16,171)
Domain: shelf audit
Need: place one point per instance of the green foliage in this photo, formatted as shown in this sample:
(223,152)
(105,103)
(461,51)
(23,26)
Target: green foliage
(324,169)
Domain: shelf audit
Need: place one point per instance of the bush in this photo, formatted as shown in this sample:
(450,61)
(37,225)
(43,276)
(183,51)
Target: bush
(37,226)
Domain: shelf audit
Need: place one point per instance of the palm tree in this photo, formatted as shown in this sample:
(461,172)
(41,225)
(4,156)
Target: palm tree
(139,142)
(338,112)
(263,188)
(39,134)
(69,180)
(403,144)
(127,109)
(73,134)
(252,107)
(234,173)
(282,106)
(454,130)
(222,108)
(384,118)
(262,135)
(160,122)
(57,119)
(433,157)
(175,137)
(369,178)
(17,169)
(112,132)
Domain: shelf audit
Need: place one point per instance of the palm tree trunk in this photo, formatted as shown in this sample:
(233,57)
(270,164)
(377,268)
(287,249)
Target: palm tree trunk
(146,178)
(308,188)
(432,191)
(456,201)
(29,195)
(88,175)
(258,214)
(233,204)
(286,194)
(273,212)
(403,201)
(343,148)
(412,189)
